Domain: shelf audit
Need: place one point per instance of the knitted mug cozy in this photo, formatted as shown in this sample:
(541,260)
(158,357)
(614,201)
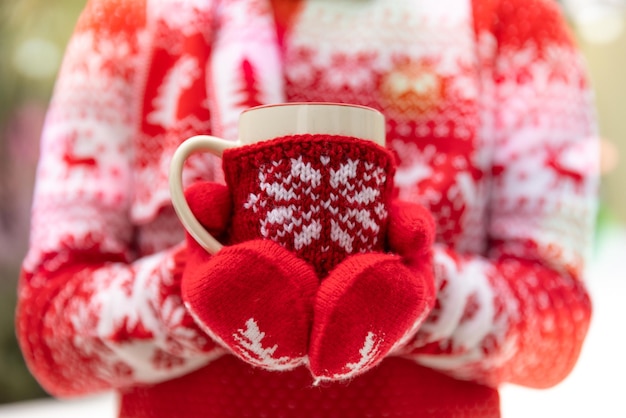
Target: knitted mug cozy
(323,197)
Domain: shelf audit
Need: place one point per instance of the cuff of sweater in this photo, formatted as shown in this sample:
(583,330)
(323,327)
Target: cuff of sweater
(184,336)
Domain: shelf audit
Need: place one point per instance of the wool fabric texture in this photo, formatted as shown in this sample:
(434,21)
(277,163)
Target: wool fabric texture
(321,196)
(254,298)
(359,317)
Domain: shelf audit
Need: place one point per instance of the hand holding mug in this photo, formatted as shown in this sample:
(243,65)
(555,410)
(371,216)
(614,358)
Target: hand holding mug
(311,186)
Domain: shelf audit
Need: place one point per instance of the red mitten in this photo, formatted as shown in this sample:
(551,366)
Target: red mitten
(411,229)
(255,297)
(372,303)
(211,204)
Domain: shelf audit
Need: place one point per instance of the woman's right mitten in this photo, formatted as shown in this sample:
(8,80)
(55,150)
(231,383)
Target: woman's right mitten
(255,297)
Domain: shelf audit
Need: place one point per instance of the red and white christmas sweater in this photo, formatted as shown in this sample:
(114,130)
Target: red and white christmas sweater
(489,115)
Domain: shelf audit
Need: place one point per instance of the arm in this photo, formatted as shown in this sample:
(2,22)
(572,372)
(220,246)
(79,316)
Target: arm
(520,313)
(95,311)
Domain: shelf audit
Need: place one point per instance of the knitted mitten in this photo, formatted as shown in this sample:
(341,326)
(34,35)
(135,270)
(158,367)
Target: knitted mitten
(254,297)
(372,303)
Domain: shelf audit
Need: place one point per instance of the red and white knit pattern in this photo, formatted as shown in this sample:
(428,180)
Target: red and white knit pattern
(488,113)
(322,197)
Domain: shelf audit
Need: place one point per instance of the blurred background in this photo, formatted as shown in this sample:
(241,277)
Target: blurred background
(33,35)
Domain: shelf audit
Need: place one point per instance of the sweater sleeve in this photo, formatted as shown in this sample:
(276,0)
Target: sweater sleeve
(520,312)
(94,311)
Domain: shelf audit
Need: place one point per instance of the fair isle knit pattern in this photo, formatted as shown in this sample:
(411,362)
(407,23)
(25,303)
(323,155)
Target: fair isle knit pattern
(488,112)
(323,197)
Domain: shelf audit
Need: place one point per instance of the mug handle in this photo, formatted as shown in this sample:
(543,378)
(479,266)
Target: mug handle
(215,146)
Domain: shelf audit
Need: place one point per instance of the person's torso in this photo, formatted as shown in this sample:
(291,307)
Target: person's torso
(416,61)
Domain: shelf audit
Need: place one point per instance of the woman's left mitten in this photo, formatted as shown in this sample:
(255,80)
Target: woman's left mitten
(371,304)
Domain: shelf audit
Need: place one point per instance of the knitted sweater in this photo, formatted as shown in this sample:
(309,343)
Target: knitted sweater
(489,115)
